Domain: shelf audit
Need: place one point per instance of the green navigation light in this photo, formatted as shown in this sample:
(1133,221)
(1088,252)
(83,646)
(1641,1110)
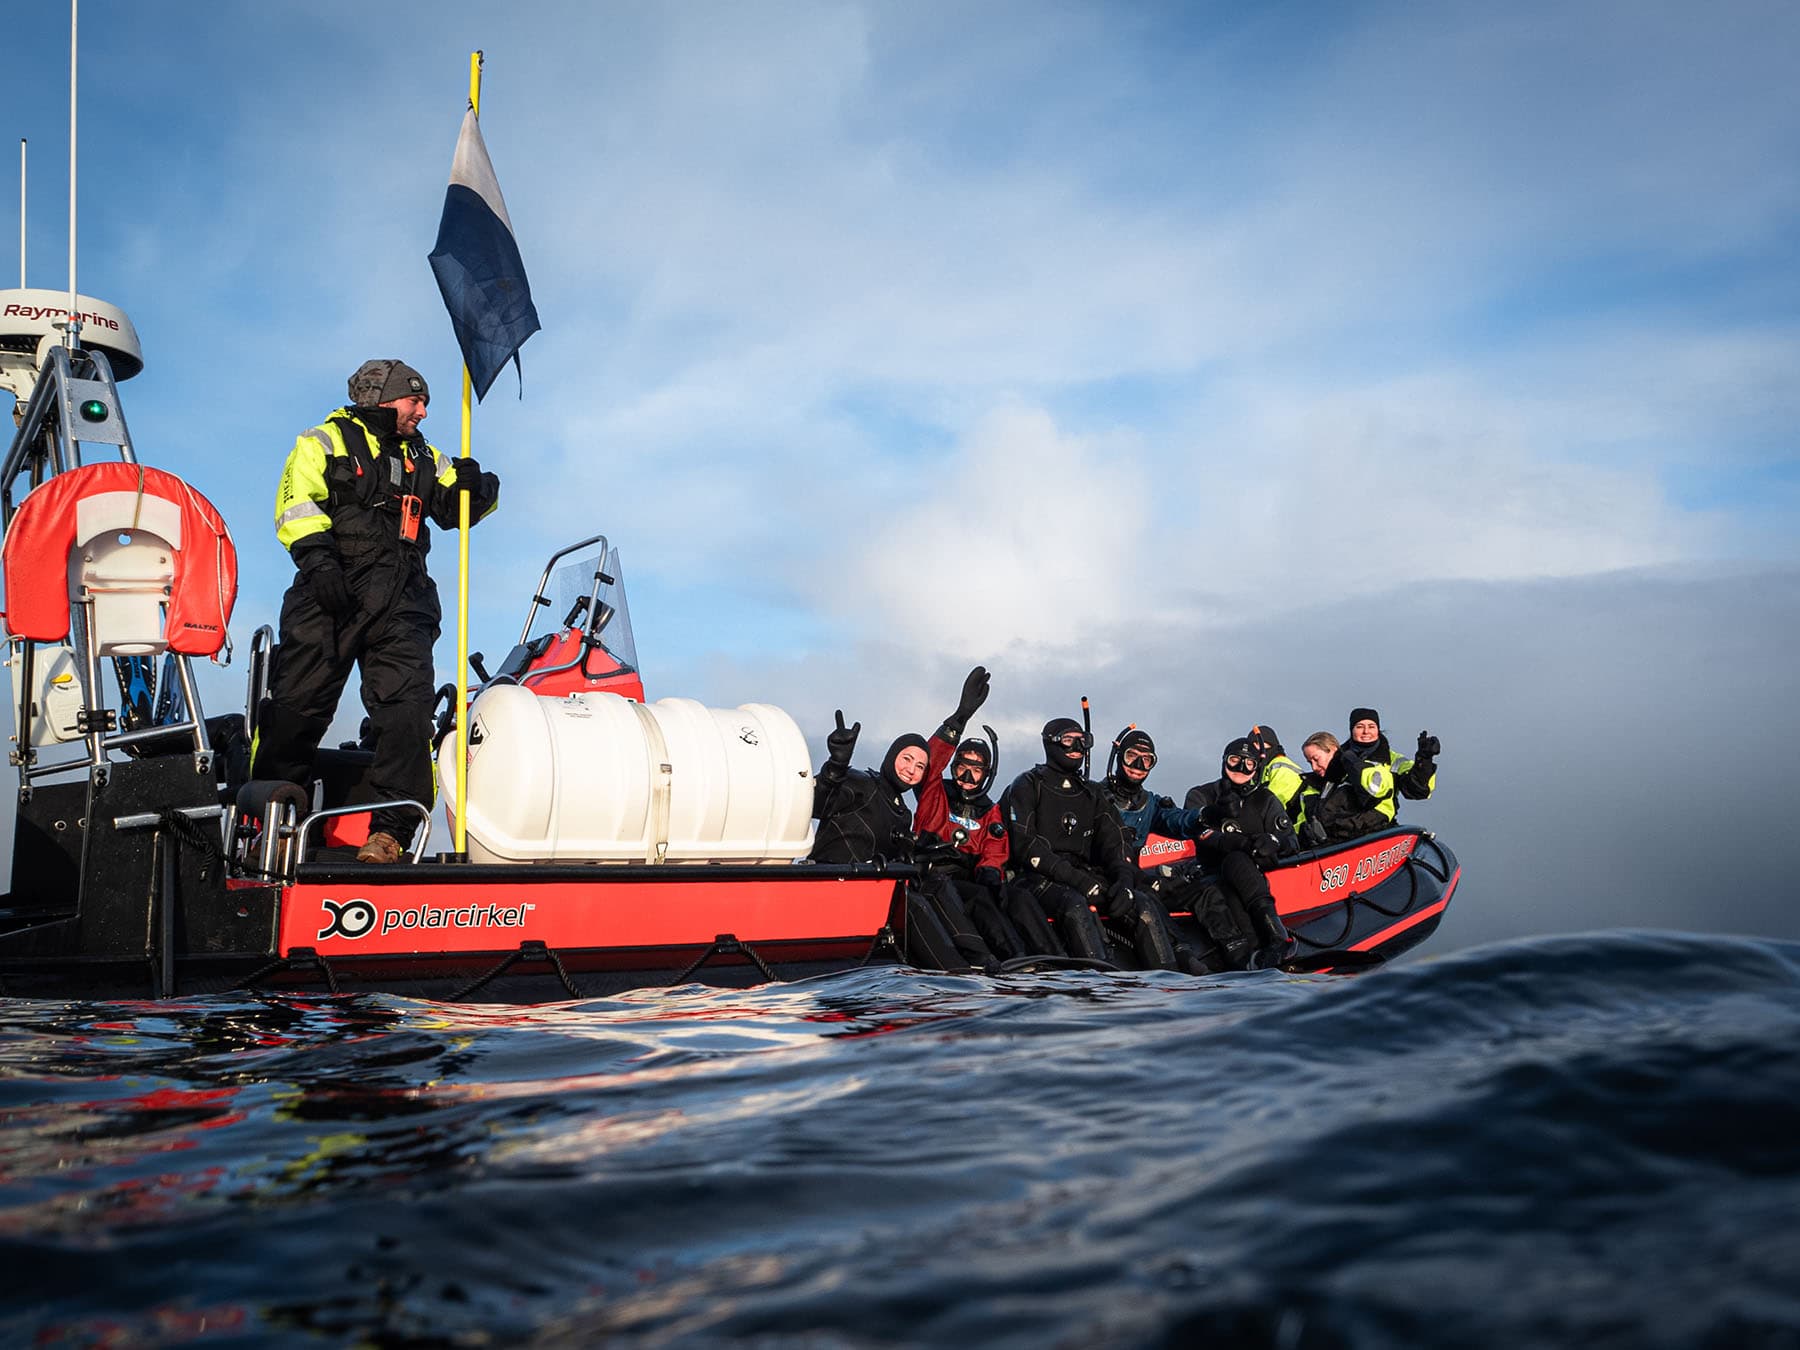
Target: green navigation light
(94,410)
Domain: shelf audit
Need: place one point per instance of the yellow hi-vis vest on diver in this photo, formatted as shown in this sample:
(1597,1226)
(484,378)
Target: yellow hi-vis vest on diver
(1284,778)
(1378,781)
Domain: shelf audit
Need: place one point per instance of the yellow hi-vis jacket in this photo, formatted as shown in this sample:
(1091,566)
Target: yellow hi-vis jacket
(337,478)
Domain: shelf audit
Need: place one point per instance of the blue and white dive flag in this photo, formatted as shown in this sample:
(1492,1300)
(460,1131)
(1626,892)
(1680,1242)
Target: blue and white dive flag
(478,266)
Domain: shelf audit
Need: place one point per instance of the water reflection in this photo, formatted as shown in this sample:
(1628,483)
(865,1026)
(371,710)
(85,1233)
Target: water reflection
(899,1157)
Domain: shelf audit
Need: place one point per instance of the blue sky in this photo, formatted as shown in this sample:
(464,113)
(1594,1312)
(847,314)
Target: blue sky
(888,338)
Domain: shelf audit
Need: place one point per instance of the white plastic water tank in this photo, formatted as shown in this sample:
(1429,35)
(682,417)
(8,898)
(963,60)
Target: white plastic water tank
(597,777)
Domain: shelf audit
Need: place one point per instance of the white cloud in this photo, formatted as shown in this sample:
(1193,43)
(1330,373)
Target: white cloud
(1431,477)
(1033,538)
(1005,541)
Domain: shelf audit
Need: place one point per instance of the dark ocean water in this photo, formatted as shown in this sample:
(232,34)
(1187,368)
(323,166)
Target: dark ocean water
(1591,1141)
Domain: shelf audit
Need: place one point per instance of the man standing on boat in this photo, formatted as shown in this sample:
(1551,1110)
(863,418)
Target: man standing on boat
(352,509)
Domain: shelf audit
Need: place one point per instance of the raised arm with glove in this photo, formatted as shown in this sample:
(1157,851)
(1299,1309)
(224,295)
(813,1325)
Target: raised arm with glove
(1420,777)
(840,744)
(974,694)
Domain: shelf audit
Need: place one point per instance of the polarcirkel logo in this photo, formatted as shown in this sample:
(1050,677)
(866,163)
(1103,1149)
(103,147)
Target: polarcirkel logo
(358,917)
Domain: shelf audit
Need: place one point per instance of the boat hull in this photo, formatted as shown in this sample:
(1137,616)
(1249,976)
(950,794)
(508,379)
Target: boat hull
(1366,901)
(637,924)
(508,933)
(1353,904)
(534,934)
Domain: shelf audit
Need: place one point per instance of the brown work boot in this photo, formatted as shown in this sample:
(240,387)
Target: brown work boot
(382,847)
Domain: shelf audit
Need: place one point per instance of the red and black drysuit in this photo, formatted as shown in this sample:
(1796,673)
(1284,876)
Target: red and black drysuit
(1244,829)
(964,846)
(863,817)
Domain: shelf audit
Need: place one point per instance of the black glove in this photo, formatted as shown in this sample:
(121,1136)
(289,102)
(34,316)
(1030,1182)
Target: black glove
(989,876)
(841,744)
(1120,902)
(927,846)
(325,579)
(468,475)
(1312,834)
(974,694)
(1428,746)
(1230,839)
(1265,849)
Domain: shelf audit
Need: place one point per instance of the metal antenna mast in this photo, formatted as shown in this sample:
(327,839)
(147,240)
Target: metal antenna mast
(73,331)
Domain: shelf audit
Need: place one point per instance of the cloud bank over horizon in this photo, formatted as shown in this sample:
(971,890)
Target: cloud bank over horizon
(1610,742)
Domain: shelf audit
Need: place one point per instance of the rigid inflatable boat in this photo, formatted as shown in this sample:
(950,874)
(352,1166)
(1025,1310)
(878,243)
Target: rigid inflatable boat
(612,842)
(1354,904)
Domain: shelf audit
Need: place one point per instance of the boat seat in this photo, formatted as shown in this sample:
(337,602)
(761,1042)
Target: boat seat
(151,553)
(124,561)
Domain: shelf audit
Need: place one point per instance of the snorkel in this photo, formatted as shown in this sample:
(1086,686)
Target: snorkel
(1112,756)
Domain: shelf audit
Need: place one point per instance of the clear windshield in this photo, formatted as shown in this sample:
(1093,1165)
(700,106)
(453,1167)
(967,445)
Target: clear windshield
(589,592)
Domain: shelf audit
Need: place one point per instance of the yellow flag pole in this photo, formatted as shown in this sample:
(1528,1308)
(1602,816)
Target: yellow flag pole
(461,841)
